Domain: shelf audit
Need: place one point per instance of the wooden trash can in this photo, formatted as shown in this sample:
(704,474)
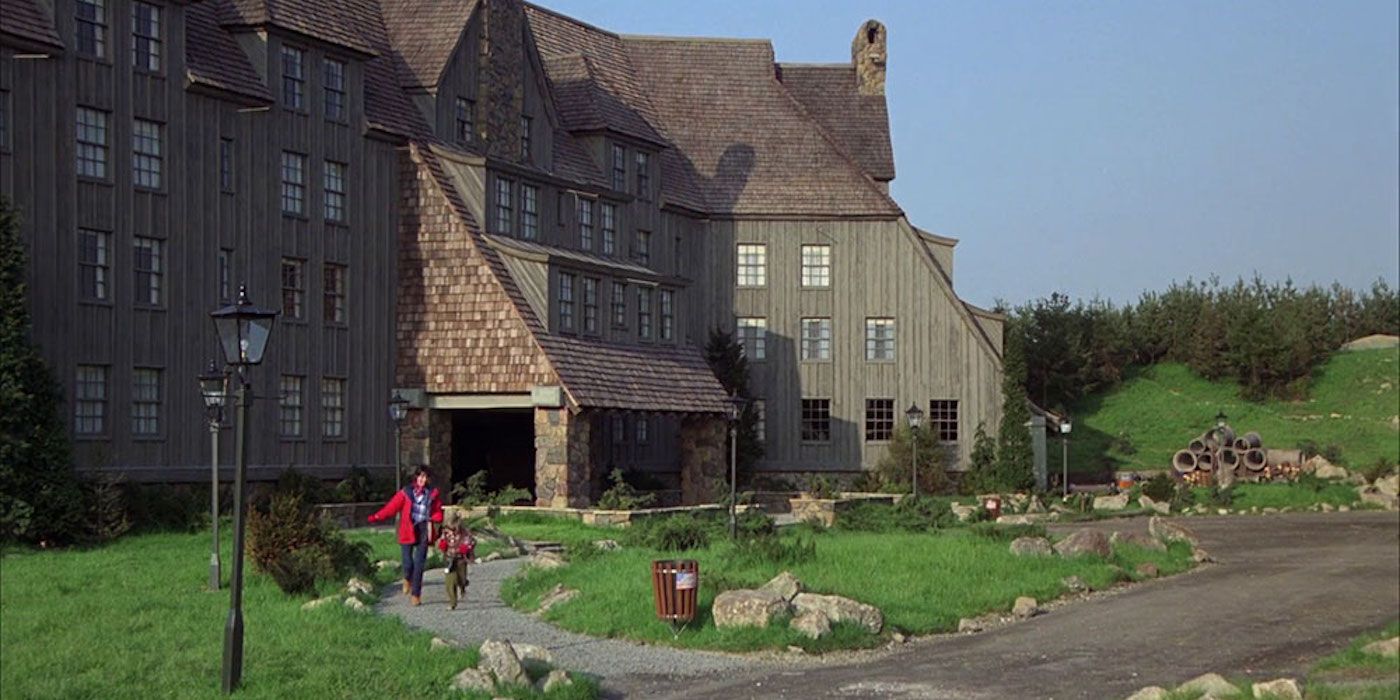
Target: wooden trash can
(675,585)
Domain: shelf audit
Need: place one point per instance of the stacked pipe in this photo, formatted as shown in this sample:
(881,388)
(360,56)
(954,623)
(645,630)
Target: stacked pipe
(1226,457)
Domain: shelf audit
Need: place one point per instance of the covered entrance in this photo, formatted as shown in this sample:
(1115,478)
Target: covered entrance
(500,441)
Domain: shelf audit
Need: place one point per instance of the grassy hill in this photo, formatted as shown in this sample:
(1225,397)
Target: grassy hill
(1139,424)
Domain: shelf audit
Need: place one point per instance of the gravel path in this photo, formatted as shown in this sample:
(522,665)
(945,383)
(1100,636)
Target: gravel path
(485,616)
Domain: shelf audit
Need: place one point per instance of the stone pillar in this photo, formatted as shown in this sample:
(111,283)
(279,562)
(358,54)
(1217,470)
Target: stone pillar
(427,442)
(1038,461)
(704,457)
(563,460)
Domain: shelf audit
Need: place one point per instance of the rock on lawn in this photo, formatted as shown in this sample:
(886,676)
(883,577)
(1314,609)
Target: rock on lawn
(1031,547)
(1084,542)
(1280,689)
(1208,684)
(813,624)
(747,608)
(500,660)
(839,609)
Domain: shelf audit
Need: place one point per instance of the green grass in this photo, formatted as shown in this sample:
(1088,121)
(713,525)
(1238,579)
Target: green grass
(133,619)
(1353,658)
(922,582)
(1163,407)
(531,526)
(1284,495)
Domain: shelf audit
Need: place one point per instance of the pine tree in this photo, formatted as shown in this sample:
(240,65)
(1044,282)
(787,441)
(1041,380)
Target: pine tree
(1014,458)
(40,501)
(726,359)
(981,470)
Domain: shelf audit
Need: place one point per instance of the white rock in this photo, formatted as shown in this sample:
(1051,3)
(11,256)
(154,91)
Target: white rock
(964,513)
(1384,647)
(440,643)
(607,545)
(1343,509)
(841,609)
(1075,584)
(359,585)
(313,604)
(1031,547)
(1382,500)
(556,679)
(532,652)
(968,624)
(545,560)
(784,585)
(383,564)
(1389,485)
(897,638)
(813,624)
(747,608)
(1084,541)
(1162,508)
(1118,502)
(499,659)
(473,679)
(1025,607)
(490,557)
(556,596)
(1201,556)
(1168,531)
(1279,689)
(1151,692)
(1208,683)
(1323,469)
(354,603)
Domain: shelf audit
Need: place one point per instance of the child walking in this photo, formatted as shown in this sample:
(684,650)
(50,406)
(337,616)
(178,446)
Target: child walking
(459,545)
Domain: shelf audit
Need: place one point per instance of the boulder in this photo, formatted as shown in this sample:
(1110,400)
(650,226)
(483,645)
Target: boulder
(1151,692)
(1382,500)
(354,604)
(1167,531)
(1280,689)
(1084,542)
(813,624)
(556,596)
(499,659)
(1327,507)
(556,679)
(1035,506)
(1323,469)
(1020,519)
(473,679)
(1161,508)
(1201,556)
(784,585)
(1147,570)
(490,557)
(359,586)
(1074,584)
(964,513)
(313,604)
(1384,647)
(532,652)
(1118,502)
(1343,509)
(607,546)
(1208,684)
(1031,547)
(1025,607)
(546,560)
(968,624)
(383,564)
(839,609)
(747,608)
(1136,539)
(439,643)
(897,638)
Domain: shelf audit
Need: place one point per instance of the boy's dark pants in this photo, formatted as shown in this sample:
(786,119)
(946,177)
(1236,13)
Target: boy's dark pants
(456,579)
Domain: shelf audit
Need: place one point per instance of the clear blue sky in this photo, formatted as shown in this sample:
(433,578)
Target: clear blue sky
(1106,148)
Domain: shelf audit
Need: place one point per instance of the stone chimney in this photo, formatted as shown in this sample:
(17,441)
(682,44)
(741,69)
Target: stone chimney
(500,89)
(868,54)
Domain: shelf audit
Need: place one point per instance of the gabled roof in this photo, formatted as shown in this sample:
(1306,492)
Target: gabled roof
(425,34)
(573,163)
(332,21)
(585,105)
(30,22)
(598,374)
(858,123)
(212,57)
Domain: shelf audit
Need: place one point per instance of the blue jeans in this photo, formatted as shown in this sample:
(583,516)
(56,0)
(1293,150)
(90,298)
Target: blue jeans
(415,558)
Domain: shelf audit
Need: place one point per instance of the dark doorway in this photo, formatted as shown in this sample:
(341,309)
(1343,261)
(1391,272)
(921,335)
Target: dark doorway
(501,441)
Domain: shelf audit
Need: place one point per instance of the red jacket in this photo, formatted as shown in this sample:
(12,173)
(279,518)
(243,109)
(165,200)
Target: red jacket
(403,505)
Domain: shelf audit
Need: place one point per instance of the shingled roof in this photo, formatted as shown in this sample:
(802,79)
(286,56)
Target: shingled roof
(336,22)
(858,123)
(30,23)
(212,57)
(425,35)
(597,374)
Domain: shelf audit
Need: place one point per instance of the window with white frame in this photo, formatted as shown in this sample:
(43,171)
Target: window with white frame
(879,339)
(146,154)
(90,400)
(816,266)
(644,247)
(609,228)
(590,305)
(505,206)
(145,401)
(816,339)
(585,224)
(92,142)
(293,78)
(333,75)
(226,165)
(145,36)
(566,301)
(943,419)
(619,168)
(753,337)
(290,406)
(668,314)
(334,182)
(619,305)
(90,27)
(529,212)
(293,289)
(816,420)
(293,183)
(643,176)
(150,272)
(879,420)
(94,264)
(753,264)
(644,312)
(225,275)
(333,407)
(333,305)
(760,420)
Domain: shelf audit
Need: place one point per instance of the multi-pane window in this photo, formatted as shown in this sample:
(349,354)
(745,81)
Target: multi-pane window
(753,337)
(505,206)
(619,305)
(293,289)
(525,142)
(643,176)
(92,142)
(753,264)
(145,36)
(464,120)
(145,401)
(90,400)
(334,302)
(609,228)
(643,429)
(529,211)
(226,165)
(619,168)
(293,78)
(644,312)
(644,247)
(334,182)
(90,27)
(879,420)
(289,407)
(760,421)
(566,301)
(879,339)
(225,275)
(145,154)
(146,261)
(816,266)
(943,419)
(619,429)
(668,314)
(816,339)
(816,420)
(94,263)
(293,183)
(585,224)
(590,305)
(333,73)
(332,407)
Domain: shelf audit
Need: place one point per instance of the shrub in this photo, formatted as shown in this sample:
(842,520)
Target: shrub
(820,486)
(288,543)
(304,486)
(359,486)
(1183,497)
(773,550)
(754,524)
(895,467)
(676,533)
(621,495)
(1159,488)
(909,515)
(1006,533)
(166,507)
(1222,497)
(107,517)
(1123,443)
(472,492)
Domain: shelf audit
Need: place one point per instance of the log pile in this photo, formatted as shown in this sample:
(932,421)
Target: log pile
(1220,456)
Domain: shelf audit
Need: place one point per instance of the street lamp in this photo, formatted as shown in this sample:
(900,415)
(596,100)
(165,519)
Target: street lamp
(736,411)
(243,331)
(1064,453)
(398,410)
(915,418)
(213,386)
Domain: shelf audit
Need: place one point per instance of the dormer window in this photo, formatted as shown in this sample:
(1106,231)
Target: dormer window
(464,120)
(525,147)
(293,78)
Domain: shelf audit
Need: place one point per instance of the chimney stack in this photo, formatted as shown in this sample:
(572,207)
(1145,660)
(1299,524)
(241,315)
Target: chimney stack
(868,54)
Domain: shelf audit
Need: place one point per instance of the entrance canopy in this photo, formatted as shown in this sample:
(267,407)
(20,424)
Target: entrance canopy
(635,377)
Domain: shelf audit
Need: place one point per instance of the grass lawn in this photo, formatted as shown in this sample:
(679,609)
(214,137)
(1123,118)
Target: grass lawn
(1159,409)
(1283,495)
(133,619)
(922,582)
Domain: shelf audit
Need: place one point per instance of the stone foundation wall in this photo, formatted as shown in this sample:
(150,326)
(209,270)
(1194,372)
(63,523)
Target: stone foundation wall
(704,457)
(563,464)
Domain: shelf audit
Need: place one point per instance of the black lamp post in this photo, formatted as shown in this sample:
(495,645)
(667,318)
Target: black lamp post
(398,410)
(243,331)
(736,411)
(213,386)
(1065,426)
(915,417)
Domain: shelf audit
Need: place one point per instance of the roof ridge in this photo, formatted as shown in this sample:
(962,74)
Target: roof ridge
(815,64)
(567,18)
(705,39)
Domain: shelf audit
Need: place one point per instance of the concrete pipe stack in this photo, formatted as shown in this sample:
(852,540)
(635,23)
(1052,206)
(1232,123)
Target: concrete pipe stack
(1226,457)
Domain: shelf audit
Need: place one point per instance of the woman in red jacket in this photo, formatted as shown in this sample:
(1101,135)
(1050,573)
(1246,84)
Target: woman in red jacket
(417,507)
